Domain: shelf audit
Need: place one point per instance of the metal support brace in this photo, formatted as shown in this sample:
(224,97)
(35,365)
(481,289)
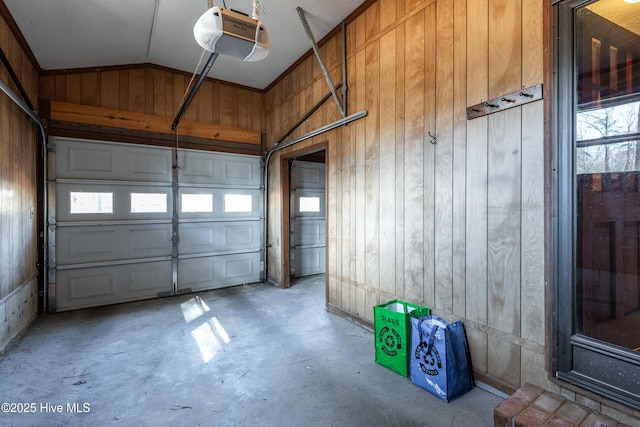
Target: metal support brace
(344,68)
(16,80)
(194,90)
(265,205)
(305,117)
(323,67)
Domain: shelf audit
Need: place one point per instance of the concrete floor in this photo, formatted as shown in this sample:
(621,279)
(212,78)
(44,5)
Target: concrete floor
(252,355)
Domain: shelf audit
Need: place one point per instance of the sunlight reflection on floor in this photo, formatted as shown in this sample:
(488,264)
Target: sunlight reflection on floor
(210,335)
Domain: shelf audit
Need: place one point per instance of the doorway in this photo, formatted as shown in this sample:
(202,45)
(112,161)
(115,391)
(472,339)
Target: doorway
(596,192)
(303,177)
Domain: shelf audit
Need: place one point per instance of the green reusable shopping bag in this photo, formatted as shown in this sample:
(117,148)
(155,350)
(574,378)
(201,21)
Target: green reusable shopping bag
(392,326)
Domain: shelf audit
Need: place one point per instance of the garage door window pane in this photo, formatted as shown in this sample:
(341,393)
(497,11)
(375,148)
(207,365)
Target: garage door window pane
(148,202)
(237,203)
(197,203)
(90,203)
(309,204)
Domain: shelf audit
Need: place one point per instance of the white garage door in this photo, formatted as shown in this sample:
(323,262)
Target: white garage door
(126,225)
(308,222)
(219,220)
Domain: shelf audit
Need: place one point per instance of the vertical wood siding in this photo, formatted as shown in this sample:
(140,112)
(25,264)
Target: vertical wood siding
(156,91)
(18,187)
(457,225)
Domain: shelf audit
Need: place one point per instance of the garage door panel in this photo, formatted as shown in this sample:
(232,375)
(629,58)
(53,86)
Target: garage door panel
(92,283)
(79,159)
(149,240)
(116,238)
(218,169)
(145,166)
(196,239)
(195,273)
(79,202)
(212,237)
(89,162)
(78,246)
(219,271)
(84,244)
(240,235)
(309,261)
(235,269)
(309,203)
(239,172)
(148,278)
(218,203)
(309,232)
(309,175)
(195,169)
(89,287)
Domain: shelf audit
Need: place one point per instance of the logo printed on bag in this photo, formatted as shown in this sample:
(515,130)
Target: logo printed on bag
(390,340)
(431,359)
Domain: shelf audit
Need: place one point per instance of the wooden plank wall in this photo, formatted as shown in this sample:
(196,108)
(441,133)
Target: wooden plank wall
(457,225)
(157,91)
(18,184)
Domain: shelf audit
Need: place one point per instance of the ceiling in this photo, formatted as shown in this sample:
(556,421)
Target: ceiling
(68,34)
(625,14)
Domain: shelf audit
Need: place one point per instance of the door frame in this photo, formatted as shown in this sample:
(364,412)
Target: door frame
(285,191)
(587,363)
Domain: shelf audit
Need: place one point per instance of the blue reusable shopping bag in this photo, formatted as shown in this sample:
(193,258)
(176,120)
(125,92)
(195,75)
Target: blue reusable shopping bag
(439,361)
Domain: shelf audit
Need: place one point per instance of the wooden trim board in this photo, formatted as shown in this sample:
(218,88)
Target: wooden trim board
(75,113)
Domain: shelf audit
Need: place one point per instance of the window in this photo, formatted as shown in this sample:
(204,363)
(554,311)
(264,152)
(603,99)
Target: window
(237,203)
(197,203)
(90,202)
(606,136)
(148,202)
(309,204)
(597,198)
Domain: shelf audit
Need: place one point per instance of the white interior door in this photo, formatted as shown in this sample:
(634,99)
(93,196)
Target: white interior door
(308,218)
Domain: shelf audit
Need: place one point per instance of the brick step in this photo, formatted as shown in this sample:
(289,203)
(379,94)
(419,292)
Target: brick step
(533,406)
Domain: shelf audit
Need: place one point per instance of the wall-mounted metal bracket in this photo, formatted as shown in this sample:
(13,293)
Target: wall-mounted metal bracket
(513,99)
(323,67)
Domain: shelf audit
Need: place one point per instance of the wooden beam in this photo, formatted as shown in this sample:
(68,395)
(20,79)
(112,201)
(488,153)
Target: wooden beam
(75,113)
(103,133)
